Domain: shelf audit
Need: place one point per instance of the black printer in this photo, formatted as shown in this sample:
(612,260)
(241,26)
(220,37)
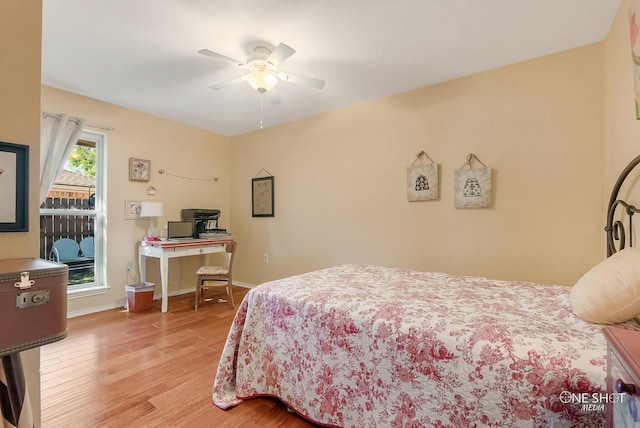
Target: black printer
(204,220)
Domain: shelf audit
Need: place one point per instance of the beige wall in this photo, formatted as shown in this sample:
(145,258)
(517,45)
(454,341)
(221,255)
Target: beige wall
(179,150)
(340,178)
(20,43)
(622,130)
(550,128)
(20,111)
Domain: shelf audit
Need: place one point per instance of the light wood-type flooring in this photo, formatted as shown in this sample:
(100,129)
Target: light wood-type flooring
(147,369)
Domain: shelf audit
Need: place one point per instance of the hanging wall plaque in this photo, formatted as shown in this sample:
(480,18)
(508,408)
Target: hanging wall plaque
(262,195)
(472,185)
(422,179)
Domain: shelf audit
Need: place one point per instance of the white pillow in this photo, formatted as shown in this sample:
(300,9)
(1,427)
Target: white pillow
(609,293)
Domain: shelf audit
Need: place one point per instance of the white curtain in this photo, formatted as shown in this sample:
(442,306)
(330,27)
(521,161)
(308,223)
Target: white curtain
(58,137)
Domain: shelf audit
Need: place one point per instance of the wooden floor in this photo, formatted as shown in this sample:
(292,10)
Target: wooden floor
(147,369)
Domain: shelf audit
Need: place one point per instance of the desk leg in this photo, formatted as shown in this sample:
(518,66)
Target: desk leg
(164,279)
(142,265)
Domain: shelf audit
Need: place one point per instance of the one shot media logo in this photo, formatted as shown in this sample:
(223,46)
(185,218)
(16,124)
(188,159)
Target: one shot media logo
(590,401)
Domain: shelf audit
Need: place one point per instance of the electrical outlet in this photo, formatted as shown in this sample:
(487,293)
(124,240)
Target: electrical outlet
(265,258)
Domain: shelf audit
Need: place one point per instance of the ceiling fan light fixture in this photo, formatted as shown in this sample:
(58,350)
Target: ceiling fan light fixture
(263,70)
(262,80)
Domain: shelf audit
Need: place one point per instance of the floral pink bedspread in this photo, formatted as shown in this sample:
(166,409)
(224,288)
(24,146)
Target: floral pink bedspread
(367,346)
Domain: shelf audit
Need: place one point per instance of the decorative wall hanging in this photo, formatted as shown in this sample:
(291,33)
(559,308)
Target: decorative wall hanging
(422,179)
(472,185)
(634,30)
(164,171)
(14,187)
(132,210)
(262,195)
(139,169)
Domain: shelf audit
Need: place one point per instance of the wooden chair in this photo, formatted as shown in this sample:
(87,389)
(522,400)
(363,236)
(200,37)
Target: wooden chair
(220,275)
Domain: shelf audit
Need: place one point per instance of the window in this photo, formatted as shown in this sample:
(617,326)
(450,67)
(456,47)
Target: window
(72,219)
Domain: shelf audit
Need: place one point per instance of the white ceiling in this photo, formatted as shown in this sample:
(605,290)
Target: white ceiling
(142,54)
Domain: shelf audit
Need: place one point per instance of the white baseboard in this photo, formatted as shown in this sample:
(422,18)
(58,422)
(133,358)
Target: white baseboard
(243,284)
(121,304)
(95,309)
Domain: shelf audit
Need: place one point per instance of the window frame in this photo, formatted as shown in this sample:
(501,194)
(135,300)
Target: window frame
(99,284)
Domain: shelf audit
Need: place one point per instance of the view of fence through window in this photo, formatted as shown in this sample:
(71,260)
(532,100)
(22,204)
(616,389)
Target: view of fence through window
(68,217)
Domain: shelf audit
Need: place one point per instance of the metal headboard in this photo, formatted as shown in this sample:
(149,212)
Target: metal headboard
(616,229)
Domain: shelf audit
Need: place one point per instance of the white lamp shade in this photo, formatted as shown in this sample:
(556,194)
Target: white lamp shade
(151,209)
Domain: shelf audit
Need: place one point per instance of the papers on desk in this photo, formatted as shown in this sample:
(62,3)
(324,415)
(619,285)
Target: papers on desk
(214,236)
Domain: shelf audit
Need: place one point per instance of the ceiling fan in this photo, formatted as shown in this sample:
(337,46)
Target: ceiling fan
(264,74)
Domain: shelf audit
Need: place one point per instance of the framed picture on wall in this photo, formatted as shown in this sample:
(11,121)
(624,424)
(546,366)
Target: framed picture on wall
(139,169)
(132,210)
(14,187)
(262,197)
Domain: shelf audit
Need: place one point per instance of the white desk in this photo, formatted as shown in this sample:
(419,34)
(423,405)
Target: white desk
(165,250)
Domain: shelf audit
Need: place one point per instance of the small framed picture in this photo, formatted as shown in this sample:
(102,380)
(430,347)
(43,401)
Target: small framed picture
(139,169)
(132,209)
(262,197)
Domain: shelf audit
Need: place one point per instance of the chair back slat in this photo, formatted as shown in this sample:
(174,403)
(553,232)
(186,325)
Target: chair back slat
(231,251)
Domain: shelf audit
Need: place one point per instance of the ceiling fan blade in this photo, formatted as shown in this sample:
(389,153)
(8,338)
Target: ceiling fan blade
(226,83)
(301,80)
(219,57)
(273,97)
(280,53)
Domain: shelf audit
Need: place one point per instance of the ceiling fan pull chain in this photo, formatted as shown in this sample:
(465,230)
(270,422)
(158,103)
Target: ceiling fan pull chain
(261,97)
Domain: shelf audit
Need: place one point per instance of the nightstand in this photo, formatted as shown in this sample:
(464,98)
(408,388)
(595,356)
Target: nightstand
(623,377)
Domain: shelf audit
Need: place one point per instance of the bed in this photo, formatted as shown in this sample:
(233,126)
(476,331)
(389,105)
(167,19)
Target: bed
(370,346)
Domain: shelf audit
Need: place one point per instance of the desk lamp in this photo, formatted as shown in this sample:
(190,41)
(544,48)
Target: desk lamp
(151,210)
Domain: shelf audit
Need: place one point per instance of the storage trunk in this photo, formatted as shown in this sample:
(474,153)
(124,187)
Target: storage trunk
(33,304)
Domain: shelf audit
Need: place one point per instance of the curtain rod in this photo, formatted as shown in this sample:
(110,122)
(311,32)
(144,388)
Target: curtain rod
(77,121)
